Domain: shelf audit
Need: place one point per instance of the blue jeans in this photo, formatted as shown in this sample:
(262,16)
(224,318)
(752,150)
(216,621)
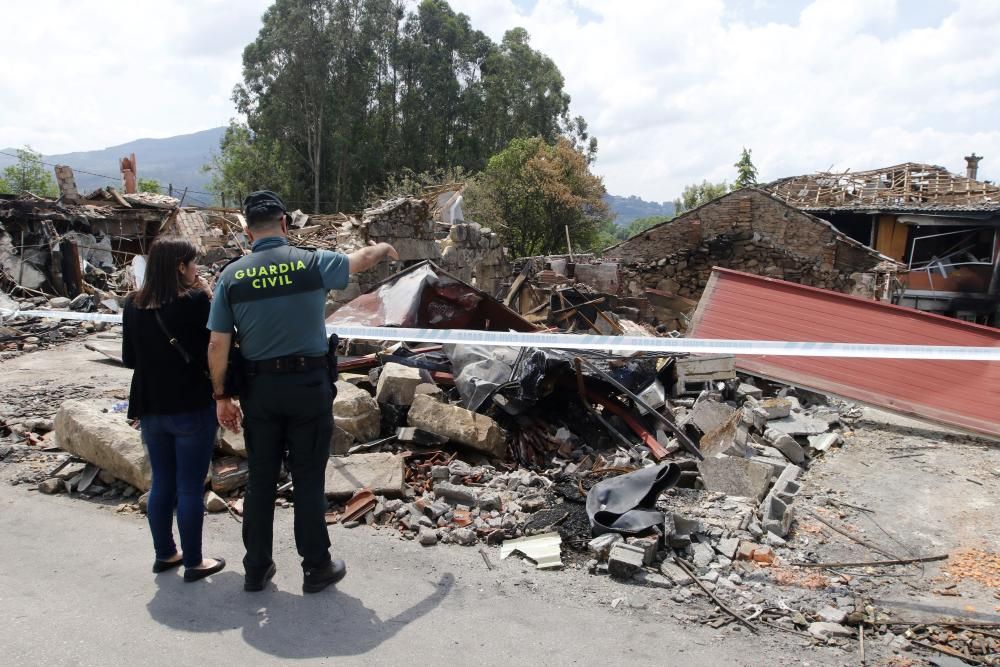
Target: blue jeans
(179,448)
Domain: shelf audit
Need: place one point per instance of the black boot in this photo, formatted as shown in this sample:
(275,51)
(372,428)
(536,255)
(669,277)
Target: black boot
(317,580)
(254,584)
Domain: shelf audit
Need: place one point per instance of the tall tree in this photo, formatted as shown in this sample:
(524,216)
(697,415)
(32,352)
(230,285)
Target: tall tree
(350,93)
(696,194)
(746,172)
(532,191)
(28,175)
(246,163)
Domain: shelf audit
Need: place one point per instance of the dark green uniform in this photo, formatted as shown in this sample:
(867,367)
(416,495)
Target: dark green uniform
(275,299)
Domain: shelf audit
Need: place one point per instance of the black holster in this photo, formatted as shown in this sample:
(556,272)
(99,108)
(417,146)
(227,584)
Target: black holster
(331,355)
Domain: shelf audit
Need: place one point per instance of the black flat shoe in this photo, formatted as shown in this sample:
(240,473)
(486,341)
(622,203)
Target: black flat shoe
(164,565)
(254,584)
(196,573)
(317,580)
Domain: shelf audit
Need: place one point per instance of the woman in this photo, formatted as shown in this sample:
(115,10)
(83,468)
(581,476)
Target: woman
(172,397)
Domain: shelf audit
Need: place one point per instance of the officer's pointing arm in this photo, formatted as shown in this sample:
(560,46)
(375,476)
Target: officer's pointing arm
(366,258)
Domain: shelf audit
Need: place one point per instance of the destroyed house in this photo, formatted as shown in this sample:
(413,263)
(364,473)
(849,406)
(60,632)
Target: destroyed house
(56,246)
(748,230)
(944,227)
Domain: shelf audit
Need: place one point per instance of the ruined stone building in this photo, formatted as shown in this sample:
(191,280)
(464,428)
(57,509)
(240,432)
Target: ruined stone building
(944,227)
(749,230)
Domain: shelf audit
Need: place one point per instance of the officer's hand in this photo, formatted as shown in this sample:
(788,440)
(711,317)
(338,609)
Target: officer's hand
(389,252)
(229,414)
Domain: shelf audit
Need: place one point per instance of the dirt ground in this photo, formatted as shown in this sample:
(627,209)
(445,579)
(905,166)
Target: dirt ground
(906,488)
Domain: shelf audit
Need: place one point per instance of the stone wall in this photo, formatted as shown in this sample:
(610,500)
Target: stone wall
(686,273)
(747,230)
(467,251)
(406,224)
(476,255)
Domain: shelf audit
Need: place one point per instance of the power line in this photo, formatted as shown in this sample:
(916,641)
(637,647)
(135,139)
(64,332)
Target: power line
(111,178)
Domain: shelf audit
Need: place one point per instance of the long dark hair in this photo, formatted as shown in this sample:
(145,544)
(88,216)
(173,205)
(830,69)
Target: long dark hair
(162,283)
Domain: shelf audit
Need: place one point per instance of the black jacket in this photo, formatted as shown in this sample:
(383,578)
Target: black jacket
(163,383)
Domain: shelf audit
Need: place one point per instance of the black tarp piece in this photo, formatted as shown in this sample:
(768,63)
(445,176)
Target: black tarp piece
(627,503)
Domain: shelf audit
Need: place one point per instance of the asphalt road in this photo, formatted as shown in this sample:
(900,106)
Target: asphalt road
(76,589)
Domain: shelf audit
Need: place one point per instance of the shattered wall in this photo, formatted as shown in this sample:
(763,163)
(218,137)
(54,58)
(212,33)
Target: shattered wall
(476,255)
(746,230)
(405,223)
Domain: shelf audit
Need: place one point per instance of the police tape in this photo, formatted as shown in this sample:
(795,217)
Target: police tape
(561,341)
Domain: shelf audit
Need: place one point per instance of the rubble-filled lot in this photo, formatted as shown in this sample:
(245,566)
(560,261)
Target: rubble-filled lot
(746,541)
(657,484)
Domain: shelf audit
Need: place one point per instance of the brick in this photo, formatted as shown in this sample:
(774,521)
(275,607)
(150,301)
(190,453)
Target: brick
(624,560)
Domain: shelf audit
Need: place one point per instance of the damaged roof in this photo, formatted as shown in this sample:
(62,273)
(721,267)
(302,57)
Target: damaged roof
(961,394)
(907,187)
(427,296)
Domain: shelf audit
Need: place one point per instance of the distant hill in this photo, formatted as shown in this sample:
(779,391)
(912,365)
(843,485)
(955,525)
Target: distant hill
(627,209)
(177,160)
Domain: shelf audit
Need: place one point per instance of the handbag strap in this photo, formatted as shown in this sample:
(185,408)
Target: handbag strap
(173,341)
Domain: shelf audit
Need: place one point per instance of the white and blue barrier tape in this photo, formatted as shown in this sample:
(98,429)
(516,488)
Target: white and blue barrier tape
(614,343)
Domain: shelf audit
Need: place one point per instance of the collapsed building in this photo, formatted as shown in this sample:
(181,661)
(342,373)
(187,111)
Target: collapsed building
(944,227)
(663,270)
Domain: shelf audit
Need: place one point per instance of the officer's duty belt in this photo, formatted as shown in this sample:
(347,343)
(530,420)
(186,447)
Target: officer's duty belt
(286,365)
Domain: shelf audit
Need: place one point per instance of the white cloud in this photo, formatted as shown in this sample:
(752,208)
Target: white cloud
(94,73)
(672,90)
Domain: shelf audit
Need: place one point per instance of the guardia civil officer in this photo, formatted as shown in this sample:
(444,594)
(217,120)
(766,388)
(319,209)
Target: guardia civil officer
(275,299)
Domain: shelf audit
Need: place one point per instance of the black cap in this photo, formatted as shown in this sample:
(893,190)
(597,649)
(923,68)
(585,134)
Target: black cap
(262,202)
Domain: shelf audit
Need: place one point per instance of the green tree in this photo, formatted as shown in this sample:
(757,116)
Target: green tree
(696,194)
(640,225)
(532,191)
(28,175)
(148,185)
(347,94)
(244,164)
(746,172)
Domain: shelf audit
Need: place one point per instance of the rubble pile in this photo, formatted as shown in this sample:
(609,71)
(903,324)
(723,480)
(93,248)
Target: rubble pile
(28,334)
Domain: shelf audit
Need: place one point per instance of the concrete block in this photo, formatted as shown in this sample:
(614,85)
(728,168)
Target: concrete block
(776,408)
(356,412)
(380,472)
(735,476)
(776,464)
(397,384)
(476,431)
(823,631)
(601,545)
(104,439)
(649,545)
(456,493)
(624,560)
(824,441)
(703,554)
(728,546)
(686,526)
(710,415)
(675,573)
(785,444)
(799,424)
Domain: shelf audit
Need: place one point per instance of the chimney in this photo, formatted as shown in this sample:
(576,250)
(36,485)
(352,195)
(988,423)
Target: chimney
(972,165)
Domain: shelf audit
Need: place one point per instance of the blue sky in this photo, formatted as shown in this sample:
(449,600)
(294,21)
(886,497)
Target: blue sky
(672,89)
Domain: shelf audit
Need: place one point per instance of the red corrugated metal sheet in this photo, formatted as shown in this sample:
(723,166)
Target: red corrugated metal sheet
(963,394)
